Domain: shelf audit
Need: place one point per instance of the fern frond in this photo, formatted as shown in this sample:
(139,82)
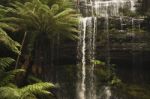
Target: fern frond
(54,9)
(9,93)
(7,26)
(27,92)
(28,96)
(38,88)
(66,12)
(8,42)
(5,62)
(65,4)
(7,77)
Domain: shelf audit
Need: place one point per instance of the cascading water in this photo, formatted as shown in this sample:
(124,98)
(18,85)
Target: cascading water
(108,92)
(94,9)
(91,93)
(85,86)
(82,93)
(83,44)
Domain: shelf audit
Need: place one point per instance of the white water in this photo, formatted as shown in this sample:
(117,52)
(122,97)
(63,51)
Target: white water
(86,45)
(107,92)
(82,93)
(111,7)
(99,8)
(82,87)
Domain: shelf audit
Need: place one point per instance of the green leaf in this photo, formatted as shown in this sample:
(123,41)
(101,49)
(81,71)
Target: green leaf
(8,42)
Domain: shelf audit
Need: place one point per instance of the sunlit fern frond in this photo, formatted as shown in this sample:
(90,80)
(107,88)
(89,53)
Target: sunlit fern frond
(41,88)
(64,13)
(35,88)
(27,92)
(8,42)
(4,37)
(6,26)
(14,93)
(9,93)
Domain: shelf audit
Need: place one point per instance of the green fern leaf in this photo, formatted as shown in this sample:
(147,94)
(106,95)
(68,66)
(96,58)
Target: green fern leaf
(38,88)
(5,62)
(8,42)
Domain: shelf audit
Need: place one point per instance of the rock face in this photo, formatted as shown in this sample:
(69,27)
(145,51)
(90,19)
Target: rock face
(145,5)
(106,26)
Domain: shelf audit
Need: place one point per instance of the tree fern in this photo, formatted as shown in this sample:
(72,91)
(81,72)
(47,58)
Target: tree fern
(41,18)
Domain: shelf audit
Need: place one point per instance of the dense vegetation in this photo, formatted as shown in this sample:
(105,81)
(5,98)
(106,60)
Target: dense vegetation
(32,31)
(23,25)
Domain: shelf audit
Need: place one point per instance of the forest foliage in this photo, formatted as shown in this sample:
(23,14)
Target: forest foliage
(36,18)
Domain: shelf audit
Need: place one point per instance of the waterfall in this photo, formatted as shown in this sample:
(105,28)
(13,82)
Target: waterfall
(108,92)
(82,93)
(121,24)
(81,90)
(92,10)
(86,86)
(112,6)
(132,5)
(92,90)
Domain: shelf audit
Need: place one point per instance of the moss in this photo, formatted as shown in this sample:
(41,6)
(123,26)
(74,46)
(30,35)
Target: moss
(139,92)
(131,91)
